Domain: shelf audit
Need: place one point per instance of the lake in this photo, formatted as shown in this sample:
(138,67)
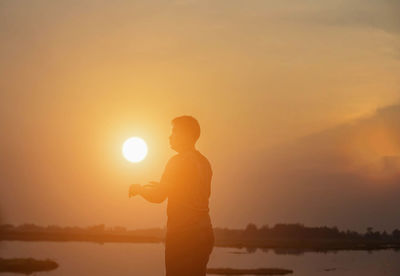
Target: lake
(83,258)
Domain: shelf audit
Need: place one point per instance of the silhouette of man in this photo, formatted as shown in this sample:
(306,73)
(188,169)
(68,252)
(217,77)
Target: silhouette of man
(186,183)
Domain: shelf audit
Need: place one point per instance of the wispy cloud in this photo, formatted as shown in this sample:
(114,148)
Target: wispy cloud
(377,14)
(341,174)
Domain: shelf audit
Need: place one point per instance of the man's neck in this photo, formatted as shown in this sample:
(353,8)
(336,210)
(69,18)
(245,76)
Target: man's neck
(187,149)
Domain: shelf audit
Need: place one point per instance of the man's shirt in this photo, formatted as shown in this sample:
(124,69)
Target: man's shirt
(187,180)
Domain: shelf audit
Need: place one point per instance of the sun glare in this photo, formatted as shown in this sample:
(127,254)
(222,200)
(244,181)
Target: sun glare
(134,149)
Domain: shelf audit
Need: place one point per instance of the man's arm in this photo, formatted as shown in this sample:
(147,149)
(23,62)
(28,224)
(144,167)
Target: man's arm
(157,192)
(154,192)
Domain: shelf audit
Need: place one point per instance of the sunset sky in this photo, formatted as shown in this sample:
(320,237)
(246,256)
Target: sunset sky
(298,102)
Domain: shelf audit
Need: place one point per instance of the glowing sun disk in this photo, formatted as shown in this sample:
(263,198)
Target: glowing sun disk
(134,149)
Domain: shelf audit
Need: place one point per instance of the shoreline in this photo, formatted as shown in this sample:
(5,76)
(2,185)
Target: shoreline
(303,245)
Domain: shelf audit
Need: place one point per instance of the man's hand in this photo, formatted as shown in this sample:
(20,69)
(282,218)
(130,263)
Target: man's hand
(134,189)
(153,183)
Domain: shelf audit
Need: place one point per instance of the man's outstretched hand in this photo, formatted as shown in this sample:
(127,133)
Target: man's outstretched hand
(134,189)
(153,183)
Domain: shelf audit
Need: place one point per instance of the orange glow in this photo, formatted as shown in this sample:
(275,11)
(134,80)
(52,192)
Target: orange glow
(373,143)
(373,151)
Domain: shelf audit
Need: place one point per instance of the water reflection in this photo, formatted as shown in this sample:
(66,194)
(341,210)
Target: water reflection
(80,258)
(299,251)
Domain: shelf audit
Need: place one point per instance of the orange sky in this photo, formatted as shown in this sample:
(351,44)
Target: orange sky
(79,77)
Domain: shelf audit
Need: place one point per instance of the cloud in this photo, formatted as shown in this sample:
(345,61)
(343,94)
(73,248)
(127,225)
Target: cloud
(358,13)
(360,142)
(347,176)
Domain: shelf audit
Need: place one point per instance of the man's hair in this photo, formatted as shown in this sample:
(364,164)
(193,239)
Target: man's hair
(188,125)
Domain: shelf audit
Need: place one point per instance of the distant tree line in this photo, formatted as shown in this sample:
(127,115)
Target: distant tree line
(251,232)
(298,231)
(99,229)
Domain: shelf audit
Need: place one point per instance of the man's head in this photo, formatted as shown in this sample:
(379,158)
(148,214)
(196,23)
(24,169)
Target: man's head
(185,132)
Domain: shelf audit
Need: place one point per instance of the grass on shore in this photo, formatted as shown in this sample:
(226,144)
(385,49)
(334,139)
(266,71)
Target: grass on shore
(26,266)
(257,271)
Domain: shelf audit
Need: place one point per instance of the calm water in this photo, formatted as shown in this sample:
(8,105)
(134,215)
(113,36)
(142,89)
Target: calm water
(90,259)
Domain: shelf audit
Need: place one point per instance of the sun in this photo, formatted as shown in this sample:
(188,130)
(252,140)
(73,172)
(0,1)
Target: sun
(134,149)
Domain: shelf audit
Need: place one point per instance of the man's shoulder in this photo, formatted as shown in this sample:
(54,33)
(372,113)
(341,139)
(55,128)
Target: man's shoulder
(175,158)
(203,158)
(188,158)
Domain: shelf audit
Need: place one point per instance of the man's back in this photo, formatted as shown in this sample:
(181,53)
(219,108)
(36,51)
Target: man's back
(188,178)
(190,237)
